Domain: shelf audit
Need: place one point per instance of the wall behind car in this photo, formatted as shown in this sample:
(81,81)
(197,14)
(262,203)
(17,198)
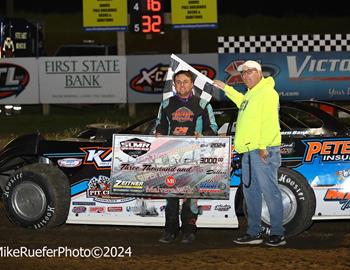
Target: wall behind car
(323,75)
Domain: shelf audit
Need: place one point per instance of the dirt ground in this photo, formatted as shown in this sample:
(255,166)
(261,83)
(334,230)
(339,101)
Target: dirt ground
(326,245)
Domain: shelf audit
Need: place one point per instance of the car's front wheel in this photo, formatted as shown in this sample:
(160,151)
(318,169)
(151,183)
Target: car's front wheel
(37,196)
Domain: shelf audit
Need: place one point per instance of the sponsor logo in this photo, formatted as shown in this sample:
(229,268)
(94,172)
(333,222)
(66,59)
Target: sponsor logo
(13,79)
(45,220)
(79,209)
(170,181)
(343,174)
(135,147)
(222,208)
(309,67)
(97,209)
(284,178)
(287,149)
(180,131)
(99,190)
(206,207)
(182,114)
(83,203)
(69,162)
(127,186)
(114,209)
(327,150)
(100,157)
(211,187)
(338,195)
(151,81)
(295,132)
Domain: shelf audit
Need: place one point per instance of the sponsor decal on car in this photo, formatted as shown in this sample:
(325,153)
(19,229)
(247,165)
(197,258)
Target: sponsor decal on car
(115,209)
(327,150)
(205,207)
(222,208)
(99,189)
(69,162)
(83,203)
(79,209)
(287,149)
(340,195)
(343,174)
(97,209)
(100,157)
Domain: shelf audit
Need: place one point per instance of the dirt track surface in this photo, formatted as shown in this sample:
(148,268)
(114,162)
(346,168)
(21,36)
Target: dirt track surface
(326,245)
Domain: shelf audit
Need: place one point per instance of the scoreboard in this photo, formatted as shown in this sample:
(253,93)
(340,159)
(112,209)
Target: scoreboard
(146,16)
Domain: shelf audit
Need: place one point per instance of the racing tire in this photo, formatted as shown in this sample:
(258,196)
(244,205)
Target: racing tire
(298,200)
(37,196)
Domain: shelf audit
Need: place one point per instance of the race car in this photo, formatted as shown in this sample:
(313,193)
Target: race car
(45,183)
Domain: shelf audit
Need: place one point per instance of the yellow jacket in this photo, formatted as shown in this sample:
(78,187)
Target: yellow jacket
(257,124)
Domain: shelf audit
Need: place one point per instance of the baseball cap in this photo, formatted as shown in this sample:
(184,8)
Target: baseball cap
(249,65)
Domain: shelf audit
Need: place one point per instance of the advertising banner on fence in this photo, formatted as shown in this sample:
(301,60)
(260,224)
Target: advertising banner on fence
(188,14)
(19,81)
(86,79)
(147,74)
(107,15)
(171,166)
(303,75)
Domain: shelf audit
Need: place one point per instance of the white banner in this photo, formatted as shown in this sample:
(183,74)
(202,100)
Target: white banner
(87,79)
(19,81)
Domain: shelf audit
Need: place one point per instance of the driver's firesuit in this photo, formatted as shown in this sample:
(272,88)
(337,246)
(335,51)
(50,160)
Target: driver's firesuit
(183,117)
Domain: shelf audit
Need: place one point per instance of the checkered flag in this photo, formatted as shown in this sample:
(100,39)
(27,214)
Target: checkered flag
(203,86)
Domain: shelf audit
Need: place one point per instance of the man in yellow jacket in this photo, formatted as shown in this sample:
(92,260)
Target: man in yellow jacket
(258,137)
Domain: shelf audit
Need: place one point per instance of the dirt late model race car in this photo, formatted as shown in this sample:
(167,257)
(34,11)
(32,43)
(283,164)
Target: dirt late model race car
(46,183)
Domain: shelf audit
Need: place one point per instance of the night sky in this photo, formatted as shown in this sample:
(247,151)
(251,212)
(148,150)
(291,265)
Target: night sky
(224,6)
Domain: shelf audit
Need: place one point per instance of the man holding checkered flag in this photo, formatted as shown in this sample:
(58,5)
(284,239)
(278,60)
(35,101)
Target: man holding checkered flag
(184,111)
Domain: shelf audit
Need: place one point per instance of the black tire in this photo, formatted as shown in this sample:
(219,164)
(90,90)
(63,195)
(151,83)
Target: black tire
(37,196)
(299,203)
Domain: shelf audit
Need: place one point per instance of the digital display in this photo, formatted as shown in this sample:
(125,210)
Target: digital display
(147,16)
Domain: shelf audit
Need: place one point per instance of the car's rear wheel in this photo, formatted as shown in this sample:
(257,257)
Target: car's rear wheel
(298,203)
(37,196)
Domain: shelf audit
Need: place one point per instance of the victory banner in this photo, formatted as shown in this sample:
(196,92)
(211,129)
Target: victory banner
(171,166)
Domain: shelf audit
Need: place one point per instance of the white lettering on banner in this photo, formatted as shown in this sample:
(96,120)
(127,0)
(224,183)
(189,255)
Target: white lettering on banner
(316,65)
(10,75)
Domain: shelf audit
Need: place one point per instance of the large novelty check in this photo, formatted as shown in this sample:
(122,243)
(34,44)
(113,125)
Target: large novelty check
(171,166)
